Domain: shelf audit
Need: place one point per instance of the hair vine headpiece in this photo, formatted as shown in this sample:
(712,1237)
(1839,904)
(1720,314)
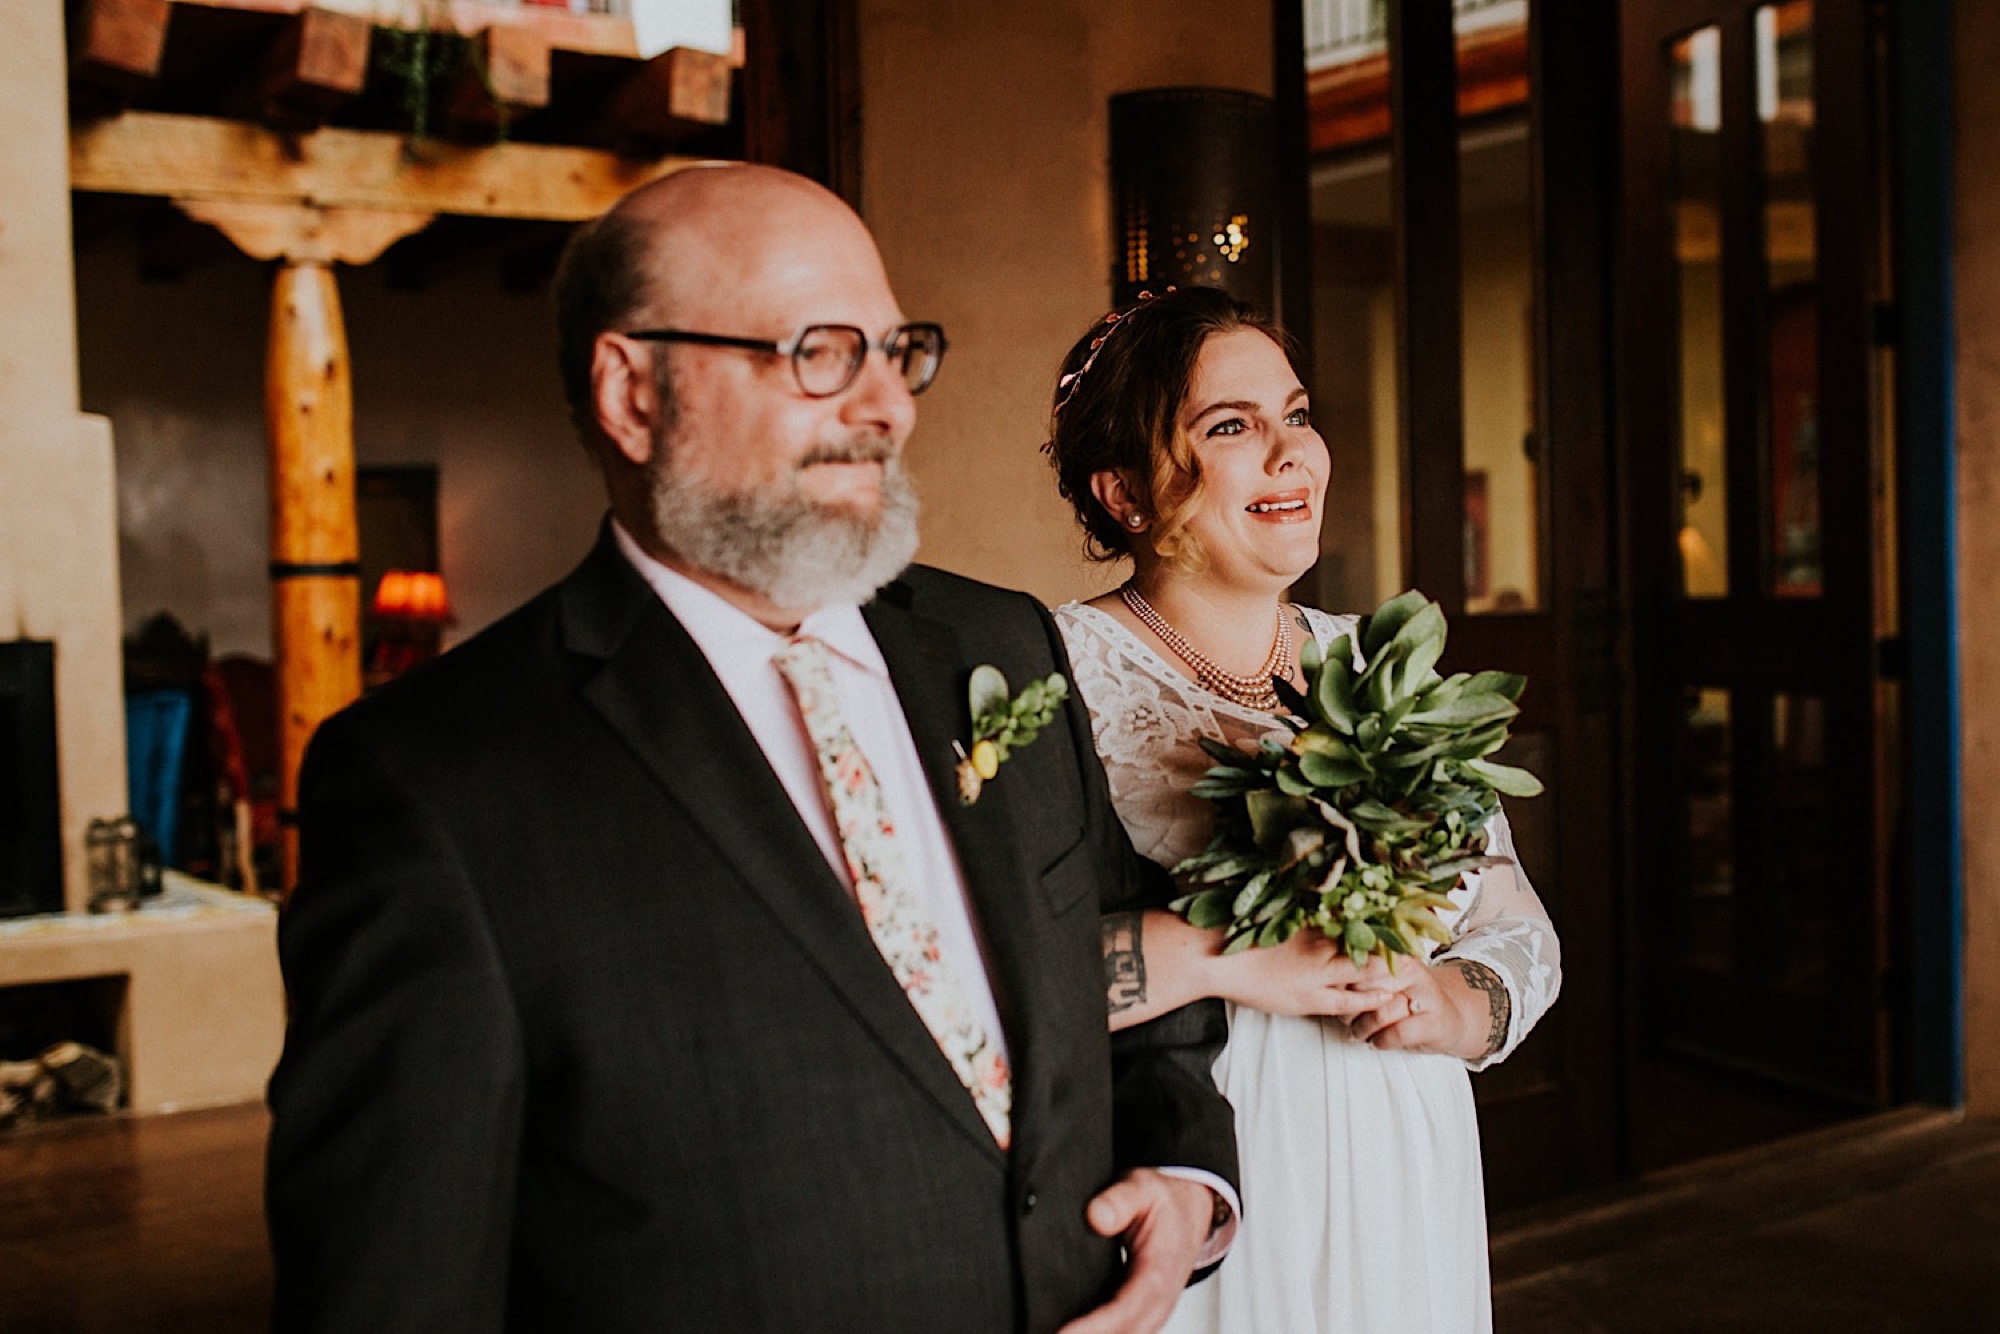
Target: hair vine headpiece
(1067,385)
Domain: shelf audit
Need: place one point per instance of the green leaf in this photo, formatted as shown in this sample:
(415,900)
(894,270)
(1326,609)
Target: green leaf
(1272,816)
(1295,704)
(1216,750)
(1379,819)
(1226,867)
(1393,938)
(1388,619)
(1291,783)
(1471,709)
(987,691)
(1333,688)
(1419,643)
(1310,656)
(1375,690)
(1208,910)
(1218,788)
(1509,684)
(1325,769)
(1324,740)
(1506,779)
(1247,897)
(1475,744)
(1360,939)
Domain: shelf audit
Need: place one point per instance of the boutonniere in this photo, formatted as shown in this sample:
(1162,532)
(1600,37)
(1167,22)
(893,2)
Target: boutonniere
(1002,724)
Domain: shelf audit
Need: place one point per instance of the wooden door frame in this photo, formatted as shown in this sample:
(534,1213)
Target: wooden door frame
(1832,644)
(1573,141)
(801,90)
(1921,101)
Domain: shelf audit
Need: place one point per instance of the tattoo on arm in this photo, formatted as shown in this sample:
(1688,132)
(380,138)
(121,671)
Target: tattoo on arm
(1124,961)
(1500,1006)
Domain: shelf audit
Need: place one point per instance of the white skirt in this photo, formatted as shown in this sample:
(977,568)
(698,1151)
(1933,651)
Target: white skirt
(1364,1210)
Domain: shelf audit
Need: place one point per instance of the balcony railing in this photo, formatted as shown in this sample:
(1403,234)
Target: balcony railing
(1340,32)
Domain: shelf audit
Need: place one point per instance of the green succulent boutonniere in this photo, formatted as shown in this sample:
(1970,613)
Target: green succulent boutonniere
(1002,724)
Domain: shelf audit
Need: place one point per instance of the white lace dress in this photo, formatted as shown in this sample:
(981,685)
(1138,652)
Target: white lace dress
(1363,1205)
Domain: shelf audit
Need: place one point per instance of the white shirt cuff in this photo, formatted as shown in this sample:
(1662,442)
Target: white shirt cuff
(1225,1236)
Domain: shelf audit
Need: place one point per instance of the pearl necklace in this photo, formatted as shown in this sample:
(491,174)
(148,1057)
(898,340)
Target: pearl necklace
(1251,692)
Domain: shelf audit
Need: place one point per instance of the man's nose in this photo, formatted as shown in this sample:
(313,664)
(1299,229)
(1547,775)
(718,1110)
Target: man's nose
(880,397)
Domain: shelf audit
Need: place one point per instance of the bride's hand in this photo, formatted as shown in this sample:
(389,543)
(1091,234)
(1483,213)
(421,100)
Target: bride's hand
(1307,975)
(1424,1008)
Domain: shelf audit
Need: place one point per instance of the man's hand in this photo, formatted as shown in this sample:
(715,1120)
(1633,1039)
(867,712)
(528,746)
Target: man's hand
(1164,1221)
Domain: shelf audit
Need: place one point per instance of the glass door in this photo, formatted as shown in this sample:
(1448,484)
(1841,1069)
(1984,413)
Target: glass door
(1762,564)
(1458,344)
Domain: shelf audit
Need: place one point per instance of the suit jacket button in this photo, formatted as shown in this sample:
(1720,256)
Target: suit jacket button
(1027,1204)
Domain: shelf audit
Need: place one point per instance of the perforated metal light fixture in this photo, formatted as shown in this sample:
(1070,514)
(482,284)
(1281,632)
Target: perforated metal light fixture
(1194,183)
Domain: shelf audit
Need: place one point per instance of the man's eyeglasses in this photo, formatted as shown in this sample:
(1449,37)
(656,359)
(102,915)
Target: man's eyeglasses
(826,358)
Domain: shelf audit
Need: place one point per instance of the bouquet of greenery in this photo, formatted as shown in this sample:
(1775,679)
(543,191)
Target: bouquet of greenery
(1376,807)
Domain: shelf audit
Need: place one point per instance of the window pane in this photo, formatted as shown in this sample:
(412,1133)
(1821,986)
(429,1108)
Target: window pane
(1354,382)
(1785,112)
(1806,843)
(1695,195)
(1710,816)
(1503,477)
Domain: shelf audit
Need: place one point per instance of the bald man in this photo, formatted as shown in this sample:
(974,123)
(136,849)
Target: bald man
(647,969)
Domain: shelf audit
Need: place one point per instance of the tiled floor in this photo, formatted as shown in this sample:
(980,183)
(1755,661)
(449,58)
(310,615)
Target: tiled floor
(153,1226)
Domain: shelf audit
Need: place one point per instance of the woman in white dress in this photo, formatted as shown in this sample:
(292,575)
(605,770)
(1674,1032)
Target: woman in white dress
(1183,439)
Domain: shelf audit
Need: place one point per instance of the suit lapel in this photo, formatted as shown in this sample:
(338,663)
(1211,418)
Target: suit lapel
(931,675)
(655,689)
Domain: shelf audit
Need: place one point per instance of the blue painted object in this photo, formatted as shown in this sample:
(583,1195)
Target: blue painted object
(156,731)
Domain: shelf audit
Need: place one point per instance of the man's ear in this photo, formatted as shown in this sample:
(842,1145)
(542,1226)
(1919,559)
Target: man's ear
(1117,492)
(625,394)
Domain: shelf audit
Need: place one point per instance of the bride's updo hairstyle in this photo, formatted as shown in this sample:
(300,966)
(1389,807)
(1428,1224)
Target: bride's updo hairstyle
(1118,405)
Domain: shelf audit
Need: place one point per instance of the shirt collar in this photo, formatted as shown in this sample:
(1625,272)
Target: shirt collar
(729,636)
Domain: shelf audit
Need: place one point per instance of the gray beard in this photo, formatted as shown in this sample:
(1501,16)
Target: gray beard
(783,545)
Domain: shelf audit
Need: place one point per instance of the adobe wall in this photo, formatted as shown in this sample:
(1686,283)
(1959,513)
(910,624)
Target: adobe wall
(1976,283)
(58,513)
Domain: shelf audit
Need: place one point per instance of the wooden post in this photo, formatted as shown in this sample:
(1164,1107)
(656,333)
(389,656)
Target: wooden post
(309,418)
(315,547)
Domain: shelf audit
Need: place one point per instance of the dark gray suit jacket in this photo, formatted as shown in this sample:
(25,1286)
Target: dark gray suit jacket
(586,1035)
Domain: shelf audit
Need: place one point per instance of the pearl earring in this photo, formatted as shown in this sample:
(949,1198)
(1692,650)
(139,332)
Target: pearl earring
(1135,521)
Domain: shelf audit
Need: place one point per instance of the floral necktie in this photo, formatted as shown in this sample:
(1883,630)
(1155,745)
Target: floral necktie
(891,907)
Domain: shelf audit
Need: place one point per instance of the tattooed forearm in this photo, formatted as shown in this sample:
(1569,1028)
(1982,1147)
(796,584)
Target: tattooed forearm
(1124,961)
(1499,1005)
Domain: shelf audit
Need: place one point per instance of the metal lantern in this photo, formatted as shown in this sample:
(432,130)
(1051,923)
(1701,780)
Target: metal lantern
(1195,191)
(123,867)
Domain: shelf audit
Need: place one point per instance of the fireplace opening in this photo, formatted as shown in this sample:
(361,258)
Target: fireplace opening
(57,1045)
(30,805)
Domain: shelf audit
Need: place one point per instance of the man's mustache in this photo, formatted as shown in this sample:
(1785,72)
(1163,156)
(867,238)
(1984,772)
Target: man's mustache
(851,451)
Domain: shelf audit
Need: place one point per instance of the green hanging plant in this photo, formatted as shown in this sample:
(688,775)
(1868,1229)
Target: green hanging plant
(421,60)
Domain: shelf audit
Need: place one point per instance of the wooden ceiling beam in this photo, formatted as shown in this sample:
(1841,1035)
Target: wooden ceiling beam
(116,44)
(597,34)
(676,94)
(195,158)
(509,77)
(317,65)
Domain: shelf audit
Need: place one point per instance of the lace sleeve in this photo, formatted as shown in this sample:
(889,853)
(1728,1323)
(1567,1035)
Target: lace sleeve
(1508,931)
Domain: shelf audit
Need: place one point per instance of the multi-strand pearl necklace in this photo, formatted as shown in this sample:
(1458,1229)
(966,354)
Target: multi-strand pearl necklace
(1251,692)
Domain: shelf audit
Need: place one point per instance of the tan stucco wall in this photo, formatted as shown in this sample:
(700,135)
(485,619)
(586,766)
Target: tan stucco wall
(984,175)
(58,525)
(459,374)
(1976,266)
